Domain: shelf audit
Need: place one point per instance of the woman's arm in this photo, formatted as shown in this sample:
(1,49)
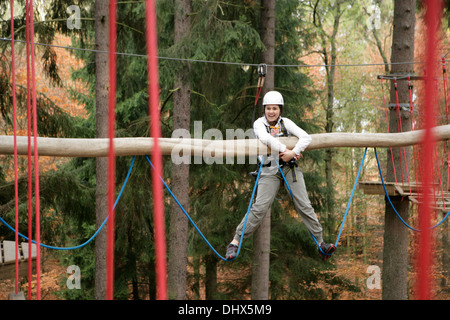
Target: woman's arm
(304,139)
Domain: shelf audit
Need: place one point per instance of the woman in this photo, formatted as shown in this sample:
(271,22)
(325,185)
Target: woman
(267,129)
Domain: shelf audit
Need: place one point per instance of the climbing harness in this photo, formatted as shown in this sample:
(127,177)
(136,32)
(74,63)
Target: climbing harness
(281,128)
(272,130)
(292,164)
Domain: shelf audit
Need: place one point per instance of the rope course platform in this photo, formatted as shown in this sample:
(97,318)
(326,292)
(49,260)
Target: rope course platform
(409,190)
(8,258)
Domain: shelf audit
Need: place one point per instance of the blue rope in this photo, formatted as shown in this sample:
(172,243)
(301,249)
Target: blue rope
(351,197)
(392,205)
(93,236)
(348,205)
(195,226)
(246,216)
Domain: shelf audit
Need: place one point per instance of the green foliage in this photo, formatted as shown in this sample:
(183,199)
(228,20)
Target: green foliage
(222,97)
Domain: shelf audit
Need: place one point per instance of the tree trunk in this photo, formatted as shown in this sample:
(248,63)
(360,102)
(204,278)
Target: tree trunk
(330,60)
(261,238)
(210,277)
(101,103)
(395,251)
(178,230)
(261,261)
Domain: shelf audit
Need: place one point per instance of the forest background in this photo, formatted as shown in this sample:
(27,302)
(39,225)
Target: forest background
(328,54)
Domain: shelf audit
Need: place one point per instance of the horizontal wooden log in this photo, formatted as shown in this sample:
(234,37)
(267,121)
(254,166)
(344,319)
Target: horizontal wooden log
(63,147)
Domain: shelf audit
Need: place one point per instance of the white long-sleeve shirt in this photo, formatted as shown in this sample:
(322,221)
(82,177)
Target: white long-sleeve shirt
(269,136)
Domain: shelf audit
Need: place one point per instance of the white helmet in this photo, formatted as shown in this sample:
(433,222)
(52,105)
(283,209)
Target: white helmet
(273,97)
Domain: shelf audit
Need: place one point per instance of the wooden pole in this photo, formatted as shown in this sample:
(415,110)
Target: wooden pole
(98,147)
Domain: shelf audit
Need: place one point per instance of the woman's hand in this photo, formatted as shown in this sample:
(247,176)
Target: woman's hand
(288,155)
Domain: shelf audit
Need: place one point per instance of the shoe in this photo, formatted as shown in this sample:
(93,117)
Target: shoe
(326,249)
(232,250)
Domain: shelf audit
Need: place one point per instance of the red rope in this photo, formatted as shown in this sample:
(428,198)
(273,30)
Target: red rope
(155,130)
(259,88)
(30,184)
(16,187)
(111,152)
(424,255)
(36,159)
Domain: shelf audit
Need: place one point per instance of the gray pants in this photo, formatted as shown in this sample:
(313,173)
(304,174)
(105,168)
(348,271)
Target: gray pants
(268,186)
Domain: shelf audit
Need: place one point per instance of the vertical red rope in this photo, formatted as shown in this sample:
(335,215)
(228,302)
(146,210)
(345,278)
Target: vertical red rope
(259,88)
(424,255)
(155,130)
(30,183)
(36,160)
(16,187)
(111,152)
